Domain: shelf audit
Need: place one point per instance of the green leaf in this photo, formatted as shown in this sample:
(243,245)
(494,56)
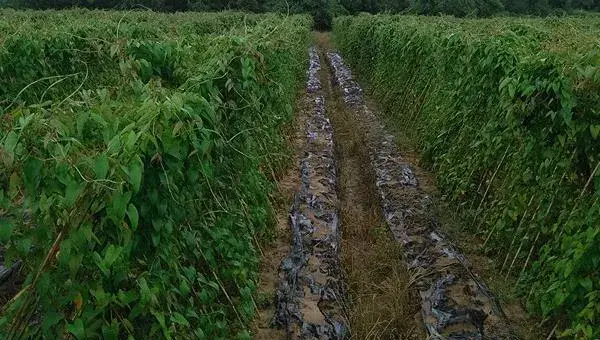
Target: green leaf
(9,146)
(77,329)
(113,50)
(24,246)
(145,293)
(130,140)
(155,239)
(184,287)
(11,141)
(128,297)
(75,261)
(135,174)
(177,127)
(160,317)
(72,192)
(111,255)
(101,166)
(595,131)
(32,170)
(133,215)
(100,264)
(118,207)
(511,89)
(6,229)
(51,318)
(110,332)
(115,144)
(586,283)
(180,319)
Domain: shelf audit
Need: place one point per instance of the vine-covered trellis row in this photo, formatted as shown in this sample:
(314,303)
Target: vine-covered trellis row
(136,169)
(505,112)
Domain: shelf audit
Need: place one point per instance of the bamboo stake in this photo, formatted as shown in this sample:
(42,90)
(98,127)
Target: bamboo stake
(562,229)
(546,214)
(490,184)
(528,256)
(523,240)
(516,233)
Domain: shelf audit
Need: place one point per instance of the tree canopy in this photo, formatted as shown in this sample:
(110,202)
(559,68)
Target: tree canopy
(322,10)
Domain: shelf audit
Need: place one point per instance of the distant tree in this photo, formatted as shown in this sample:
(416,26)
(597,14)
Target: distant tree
(516,6)
(393,6)
(176,5)
(459,8)
(323,10)
(486,8)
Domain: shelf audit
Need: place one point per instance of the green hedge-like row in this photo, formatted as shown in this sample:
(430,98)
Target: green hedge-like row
(506,113)
(50,52)
(136,202)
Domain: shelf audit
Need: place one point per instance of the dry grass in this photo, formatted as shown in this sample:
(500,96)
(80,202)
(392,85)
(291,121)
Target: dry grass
(382,304)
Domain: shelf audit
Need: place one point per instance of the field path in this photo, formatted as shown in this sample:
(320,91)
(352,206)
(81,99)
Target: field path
(340,277)
(455,302)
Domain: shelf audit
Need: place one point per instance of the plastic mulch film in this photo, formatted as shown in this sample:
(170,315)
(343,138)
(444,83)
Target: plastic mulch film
(311,287)
(455,302)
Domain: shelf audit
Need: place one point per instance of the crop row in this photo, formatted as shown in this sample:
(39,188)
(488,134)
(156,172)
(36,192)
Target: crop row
(506,112)
(136,165)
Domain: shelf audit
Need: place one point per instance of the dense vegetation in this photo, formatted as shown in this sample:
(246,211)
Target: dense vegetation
(506,113)
(136,158)
(323,9)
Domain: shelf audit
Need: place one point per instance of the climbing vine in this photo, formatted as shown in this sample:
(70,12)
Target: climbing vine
(506,112)
(136,169)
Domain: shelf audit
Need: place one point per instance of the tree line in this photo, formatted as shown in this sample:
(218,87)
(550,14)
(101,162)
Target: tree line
(323,10)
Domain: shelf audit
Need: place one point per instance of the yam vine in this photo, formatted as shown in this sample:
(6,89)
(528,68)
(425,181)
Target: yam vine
(136,160)
(505,111)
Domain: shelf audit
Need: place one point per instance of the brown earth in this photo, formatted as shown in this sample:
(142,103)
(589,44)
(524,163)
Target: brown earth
(381,301)
(274,252)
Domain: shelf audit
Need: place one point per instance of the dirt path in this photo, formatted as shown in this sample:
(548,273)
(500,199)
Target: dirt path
(309,298)
(273,253)
(366,258)
(382,305)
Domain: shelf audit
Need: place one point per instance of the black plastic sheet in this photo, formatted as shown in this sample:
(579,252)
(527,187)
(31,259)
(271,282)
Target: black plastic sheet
(455,302)
(311,288)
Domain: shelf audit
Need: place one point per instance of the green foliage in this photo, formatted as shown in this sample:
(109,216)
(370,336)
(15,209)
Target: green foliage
(135,200)
(506,113)
(459,8)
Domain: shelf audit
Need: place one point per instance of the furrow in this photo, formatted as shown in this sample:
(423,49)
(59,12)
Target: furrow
(311,289)
(455,302)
